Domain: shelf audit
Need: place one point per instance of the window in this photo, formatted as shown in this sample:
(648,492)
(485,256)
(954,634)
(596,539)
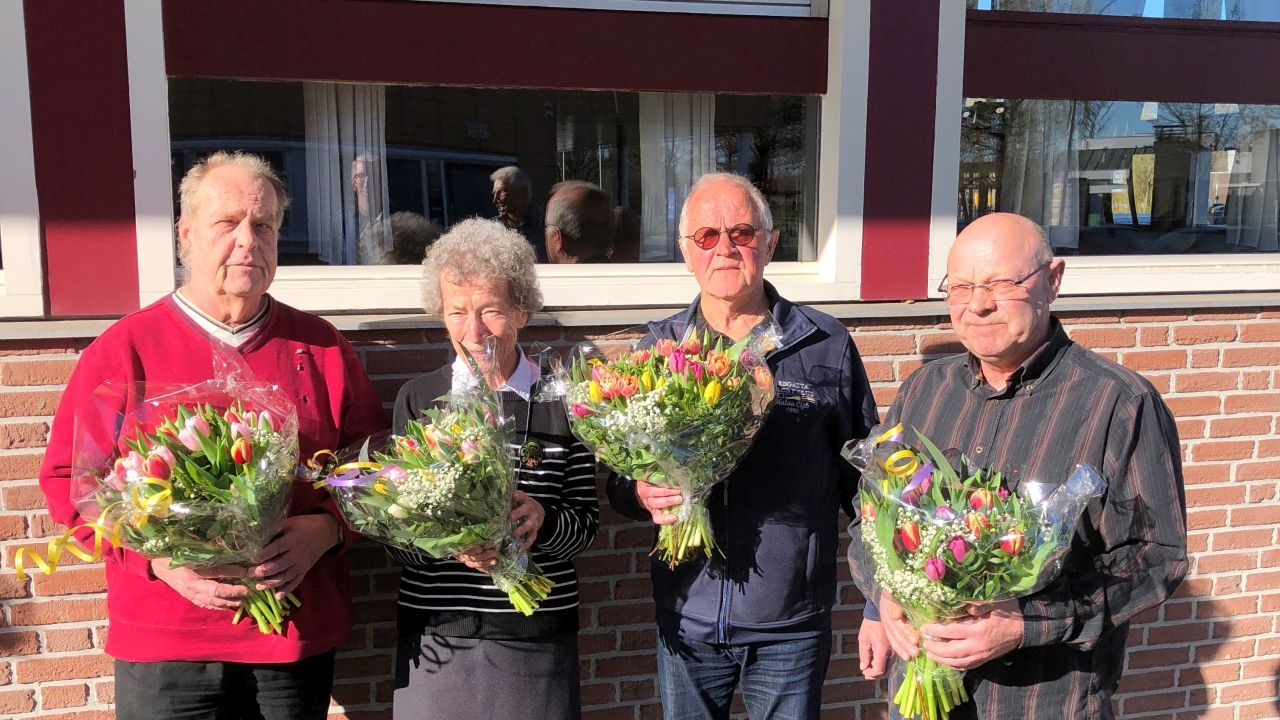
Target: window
(1264,10)
(376,172)
(21,276)
(1127,178)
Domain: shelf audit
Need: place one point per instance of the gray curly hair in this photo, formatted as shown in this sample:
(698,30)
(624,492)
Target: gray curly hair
(486,251)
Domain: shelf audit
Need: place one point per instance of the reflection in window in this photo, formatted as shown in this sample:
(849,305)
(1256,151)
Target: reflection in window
(376,173)
(1108,178)
(1264,10)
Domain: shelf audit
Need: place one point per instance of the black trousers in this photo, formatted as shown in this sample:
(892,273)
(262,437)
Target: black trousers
(224,690)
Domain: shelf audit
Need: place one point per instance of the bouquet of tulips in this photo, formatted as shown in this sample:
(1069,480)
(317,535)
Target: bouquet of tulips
(674,412)
(941,537)
(200,474)
(442,487)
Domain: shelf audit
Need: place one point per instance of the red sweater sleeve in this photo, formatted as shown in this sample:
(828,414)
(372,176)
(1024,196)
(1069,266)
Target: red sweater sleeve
(83,405)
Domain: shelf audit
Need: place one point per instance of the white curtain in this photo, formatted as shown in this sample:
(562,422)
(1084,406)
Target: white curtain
(1041,168)
(677,145)
(346,136)
(1253,197)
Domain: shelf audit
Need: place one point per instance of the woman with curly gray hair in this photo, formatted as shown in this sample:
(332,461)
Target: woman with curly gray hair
(464,651)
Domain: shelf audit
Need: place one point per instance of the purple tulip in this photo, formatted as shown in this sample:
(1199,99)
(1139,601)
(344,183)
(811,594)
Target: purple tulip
(919,485)
(1003,492)
(959,548)
(934,569)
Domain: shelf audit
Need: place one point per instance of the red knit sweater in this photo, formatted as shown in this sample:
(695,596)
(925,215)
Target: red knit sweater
(337,405)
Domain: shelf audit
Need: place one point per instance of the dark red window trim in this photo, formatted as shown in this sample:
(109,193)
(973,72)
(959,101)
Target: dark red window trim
(431,43)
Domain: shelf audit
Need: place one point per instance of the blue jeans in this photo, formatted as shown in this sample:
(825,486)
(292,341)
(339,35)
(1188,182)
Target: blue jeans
(780,680)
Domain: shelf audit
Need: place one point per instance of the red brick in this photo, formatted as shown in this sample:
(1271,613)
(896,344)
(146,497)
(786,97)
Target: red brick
(1258,668)
(1241,539)
(36,371)
(20,466)
(1259,581)
(1230,650)
(1262,470)
(23,434)
(1269,448)
(1198,334)
(1087,317)
(1254,402)
(1269,515)
(1135,704)
(904,368)
(24,496)
(1234,694)
(625,665)
(1179,634)
(66,667)
(1142,316)
(1262,492)
(1108,337)
(1211,450)
(1152,336)
(1226,562)
(19,642)
(1225,316)
(1197,542)
(1260,332)
(1226,607)
(1240,426)
(1250,356)
(46,612)
(1206,519)
(1226,585)
(1199,474)
(884,396)
(1255,380)
(13,527)
(53,697)
(1206,381)
(6,673)
(1209,674)
(11,587)
(1204,358)
(28,403)
(1241,627)
(1189,406)
(14,702)
(879,370)
(1162,382)
(72,582)
(1160,658)
(1212,496)
(1191,429)
(105,691)
(399,362)
(873,344)
(1155,359)
(67,640)
(1142,682)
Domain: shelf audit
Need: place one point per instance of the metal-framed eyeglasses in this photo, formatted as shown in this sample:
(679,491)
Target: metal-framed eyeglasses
(961,293)
(741,235)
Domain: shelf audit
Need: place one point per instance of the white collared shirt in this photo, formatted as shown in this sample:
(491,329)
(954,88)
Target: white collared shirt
(521,381)
(235,337)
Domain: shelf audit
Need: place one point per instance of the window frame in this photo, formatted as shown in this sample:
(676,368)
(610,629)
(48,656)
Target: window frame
(22,283)
(967,45)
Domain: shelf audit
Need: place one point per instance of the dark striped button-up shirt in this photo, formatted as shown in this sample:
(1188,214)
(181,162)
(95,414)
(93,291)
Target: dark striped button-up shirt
(1065,405)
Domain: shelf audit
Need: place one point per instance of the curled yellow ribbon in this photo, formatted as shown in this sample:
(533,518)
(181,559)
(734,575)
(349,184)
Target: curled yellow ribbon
(902,462)
(895,430)
(65,543)
(156,503)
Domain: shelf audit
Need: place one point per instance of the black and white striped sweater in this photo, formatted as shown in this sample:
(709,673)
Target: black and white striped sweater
(448,598)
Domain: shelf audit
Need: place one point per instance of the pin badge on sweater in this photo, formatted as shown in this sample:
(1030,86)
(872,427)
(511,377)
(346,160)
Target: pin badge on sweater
(531,454)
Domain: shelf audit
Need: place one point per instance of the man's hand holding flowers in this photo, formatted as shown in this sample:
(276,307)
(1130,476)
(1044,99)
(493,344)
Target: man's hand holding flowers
(200,586)
(658,499)
(302,540)
(527,516)
(873,649)
(989,632)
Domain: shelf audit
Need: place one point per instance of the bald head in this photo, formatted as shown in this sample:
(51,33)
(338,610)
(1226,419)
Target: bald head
(1013,236)
(579,217)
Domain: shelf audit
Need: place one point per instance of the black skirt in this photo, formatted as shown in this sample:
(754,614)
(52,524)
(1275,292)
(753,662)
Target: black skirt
(463,678)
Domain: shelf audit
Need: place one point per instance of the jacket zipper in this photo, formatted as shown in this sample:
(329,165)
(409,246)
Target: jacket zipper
(722,625)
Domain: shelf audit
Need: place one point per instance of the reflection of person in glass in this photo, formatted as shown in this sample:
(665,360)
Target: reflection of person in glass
(410,232)
(759,614)
(513,199)
(579,223)
(177,653)
(465,653)
(1027,401)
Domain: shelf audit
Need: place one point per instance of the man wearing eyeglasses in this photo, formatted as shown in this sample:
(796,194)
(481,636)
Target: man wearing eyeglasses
(759,615)
(1028,402)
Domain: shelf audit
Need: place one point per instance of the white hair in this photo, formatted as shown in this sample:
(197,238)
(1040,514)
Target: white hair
(486,251)
(190,197)
(762,213)
(513,176)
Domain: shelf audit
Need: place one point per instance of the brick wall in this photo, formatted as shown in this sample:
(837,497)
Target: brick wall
(1212,652)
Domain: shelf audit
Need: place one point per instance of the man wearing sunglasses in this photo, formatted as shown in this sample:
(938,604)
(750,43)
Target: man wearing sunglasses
(759,615)
(1029,403)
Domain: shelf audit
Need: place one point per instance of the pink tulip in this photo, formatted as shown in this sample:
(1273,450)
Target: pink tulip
(199,424)
(116,481)
(231,416)
(188,439)
(395,474)
(581,410)
(241,430)
(697,371)
(980,499)
(692,346)
(934,569)
(909,534)
(1003,492)
(165,454)
(945,513)
(677,362)
(266,422)
(242,452)
(665,347)
(469,451)
(959,548)
(156,468)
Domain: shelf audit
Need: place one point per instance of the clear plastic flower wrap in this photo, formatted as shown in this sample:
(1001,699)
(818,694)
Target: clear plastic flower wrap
(674,407)
(198,473)
(442,487)
(940,538)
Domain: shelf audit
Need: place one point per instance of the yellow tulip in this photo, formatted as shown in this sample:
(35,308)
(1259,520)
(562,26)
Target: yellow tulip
(646,380)
(593,389)
(712,392)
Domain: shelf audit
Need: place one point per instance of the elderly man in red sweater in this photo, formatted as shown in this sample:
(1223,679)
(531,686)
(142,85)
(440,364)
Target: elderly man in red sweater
(177,653)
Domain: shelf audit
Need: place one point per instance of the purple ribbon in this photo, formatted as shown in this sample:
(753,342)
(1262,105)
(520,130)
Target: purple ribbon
(356,478)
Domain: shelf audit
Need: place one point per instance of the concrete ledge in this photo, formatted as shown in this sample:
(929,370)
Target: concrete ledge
(625,317)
